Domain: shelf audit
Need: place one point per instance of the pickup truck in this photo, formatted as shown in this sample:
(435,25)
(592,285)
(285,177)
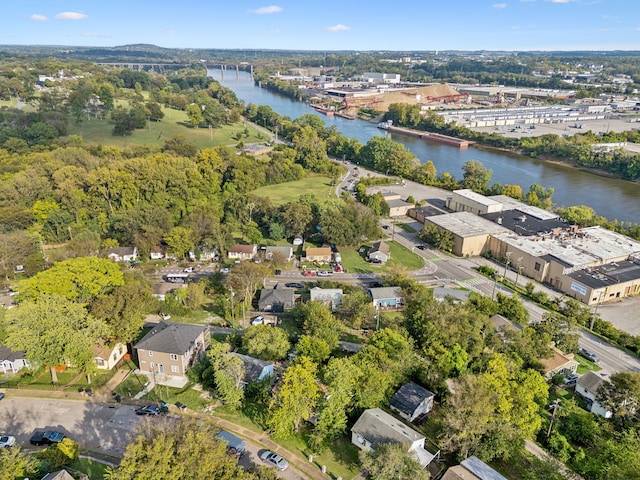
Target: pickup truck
(46,438)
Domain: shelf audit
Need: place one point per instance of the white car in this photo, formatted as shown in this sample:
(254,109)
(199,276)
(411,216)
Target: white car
(259,320)
(274,460)
(7,441)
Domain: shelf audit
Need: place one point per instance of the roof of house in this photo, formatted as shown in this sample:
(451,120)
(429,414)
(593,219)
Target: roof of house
(7,354)
(239,248)
(383,293)
(558,359)
(377,426)
(253,367)
(318,293)
(169,337)
(501,323)
(379,247)
(59,475)
(409,396)
(121,251)
(102,351)
(591,381)
(481,469)
(320,251)
(286,252)
(350,347)
(459,473)
(276,295)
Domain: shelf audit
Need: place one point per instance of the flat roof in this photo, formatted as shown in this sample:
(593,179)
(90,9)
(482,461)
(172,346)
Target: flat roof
(476,197)
(585,247)
(509,203)
(466,224)
(523,224)
(606,275)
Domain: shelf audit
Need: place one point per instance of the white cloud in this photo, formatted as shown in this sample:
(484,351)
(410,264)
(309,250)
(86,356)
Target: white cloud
(267,10)
(38,18)
(338,28)
(71,16)
(499,5)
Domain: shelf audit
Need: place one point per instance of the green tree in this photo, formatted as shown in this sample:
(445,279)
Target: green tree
(78,279)
(296,217)
(61,454)
(229,373)
(475,176)
(194,112)
(179,241)
(124,310)
(314,348)
(16,464)
(266,343)
(340,377)
(180,450)
(296,399)
(437,237)
(392,461)
(318,321)
(54,331)
(245,278)
(311,150)
(621,396)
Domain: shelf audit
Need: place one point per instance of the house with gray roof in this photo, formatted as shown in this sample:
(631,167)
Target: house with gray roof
(376,426)
(332,297)
(412,401)
(587,387)
(171,348)
(386,297)
(59,475)
(472,468)
(123,254)
(277,299)
(379,251)
(255,369)
(457,295)
(12,361)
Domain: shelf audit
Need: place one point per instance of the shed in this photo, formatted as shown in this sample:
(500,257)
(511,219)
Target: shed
(412,401)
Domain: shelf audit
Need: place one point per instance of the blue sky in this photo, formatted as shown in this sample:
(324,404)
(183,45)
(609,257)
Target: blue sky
(327,24)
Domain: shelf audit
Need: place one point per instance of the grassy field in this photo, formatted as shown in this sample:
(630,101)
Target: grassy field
(283,193)
(174,122)
(355,262)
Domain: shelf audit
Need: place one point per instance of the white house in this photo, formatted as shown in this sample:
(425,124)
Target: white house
(10,361)
(123,254)
(332,297)
(376,426)
(587,387)
(108,357)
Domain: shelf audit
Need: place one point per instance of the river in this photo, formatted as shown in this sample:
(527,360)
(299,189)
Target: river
(611,198)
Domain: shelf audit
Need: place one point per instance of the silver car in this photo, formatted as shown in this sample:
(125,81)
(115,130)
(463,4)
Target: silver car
(274,460)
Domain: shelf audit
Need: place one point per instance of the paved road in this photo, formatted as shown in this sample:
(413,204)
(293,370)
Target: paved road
(99,427)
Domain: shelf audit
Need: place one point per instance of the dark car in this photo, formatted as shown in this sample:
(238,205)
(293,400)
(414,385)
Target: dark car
(1,395)
(294,285)
(376,285)
(48,437)
(421,247)
(148,410)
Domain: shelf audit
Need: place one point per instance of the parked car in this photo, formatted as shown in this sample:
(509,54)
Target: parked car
(1,395)
(375,260)
(309,273)
(48,437)
(571,379)
(294,285)
(151,410)
(188,270)
(376,285)
(164,316)
(589,355)
(235,445)
(259,320)
(7,441)
(274,460)
(324,273)
(421,247)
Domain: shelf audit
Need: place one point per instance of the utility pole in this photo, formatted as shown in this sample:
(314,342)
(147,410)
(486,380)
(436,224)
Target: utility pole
(506,265)
(555,405)
(519,268)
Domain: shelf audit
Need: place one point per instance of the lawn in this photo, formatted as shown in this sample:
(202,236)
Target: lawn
(92,468)
(155,134)
(188,396)
(283,193)
(131,385)
(355,262)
